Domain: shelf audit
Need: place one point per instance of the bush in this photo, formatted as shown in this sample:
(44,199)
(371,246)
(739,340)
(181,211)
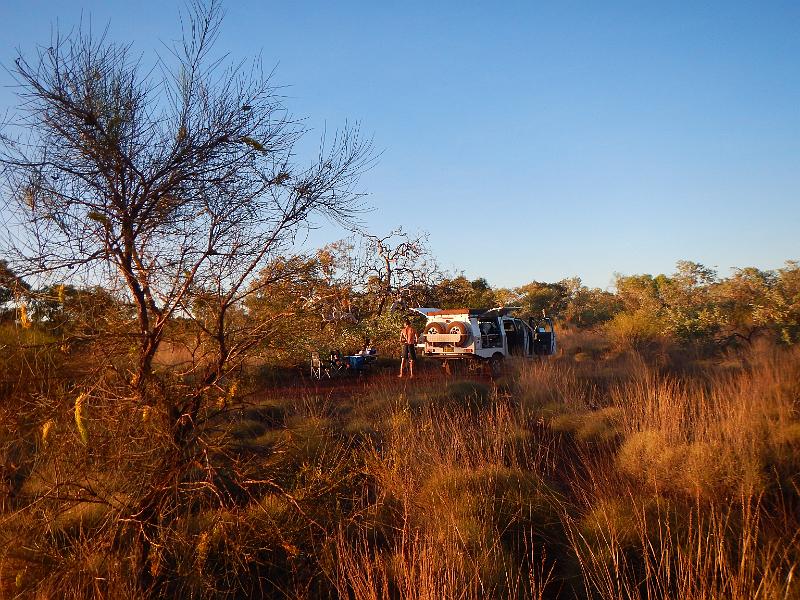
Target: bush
(600,426)
(638,330)
(465,512)
(475,506)
(703,469)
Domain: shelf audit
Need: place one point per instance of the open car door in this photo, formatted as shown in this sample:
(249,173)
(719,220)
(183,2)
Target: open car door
(544,337)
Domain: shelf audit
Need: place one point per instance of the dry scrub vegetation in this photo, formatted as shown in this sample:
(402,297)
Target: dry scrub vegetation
(151,284)
(610,477)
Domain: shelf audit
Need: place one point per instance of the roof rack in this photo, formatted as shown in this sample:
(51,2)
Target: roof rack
(472,312)
(498,311)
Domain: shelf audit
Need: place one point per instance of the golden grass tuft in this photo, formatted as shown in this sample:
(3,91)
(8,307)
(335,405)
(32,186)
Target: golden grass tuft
(472,507)
(600,426)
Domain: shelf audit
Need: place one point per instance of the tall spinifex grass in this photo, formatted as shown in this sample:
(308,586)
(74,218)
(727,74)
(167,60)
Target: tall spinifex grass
(421,569)
(460,509)
(695,495)
(602,478)
(654,548)
(668,488)
(716,437)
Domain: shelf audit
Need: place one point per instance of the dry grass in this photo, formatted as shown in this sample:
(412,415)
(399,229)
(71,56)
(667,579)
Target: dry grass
(601,477)
(698,495)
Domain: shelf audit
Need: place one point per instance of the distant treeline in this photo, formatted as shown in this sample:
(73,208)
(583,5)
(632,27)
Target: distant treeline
(692,305)
(333,300)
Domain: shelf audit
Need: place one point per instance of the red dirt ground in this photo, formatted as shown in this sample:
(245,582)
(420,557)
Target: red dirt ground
(346,385)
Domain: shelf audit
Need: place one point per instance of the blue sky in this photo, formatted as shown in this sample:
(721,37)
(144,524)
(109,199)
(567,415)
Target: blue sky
(531,140)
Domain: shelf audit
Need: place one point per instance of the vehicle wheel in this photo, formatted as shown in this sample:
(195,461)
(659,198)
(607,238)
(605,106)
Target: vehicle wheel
(461,329)
(434,328)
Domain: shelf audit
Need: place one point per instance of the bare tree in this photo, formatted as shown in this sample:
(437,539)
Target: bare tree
(169,187)
(401,265)
(163,182)
(395,270)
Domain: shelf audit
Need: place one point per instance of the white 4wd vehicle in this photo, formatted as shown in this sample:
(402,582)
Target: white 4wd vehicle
(490,335)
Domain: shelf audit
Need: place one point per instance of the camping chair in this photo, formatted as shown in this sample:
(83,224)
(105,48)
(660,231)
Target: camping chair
(337,365)
(319,368)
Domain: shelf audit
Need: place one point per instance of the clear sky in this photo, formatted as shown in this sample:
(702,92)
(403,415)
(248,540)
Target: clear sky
(531,140)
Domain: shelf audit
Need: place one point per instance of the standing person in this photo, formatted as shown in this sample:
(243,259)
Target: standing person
(409,338)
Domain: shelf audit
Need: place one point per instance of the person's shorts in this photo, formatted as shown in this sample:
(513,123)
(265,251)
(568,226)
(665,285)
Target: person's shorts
(409,351)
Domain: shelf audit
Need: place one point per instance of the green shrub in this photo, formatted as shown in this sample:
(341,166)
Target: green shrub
(567,422)
(788,436)
(362,430)
(308,436)
(783,457)
(637,330)
(546,413)
(611,522)
(380,523)
(517,442)
(248,552)
(617,536)
(648,456)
